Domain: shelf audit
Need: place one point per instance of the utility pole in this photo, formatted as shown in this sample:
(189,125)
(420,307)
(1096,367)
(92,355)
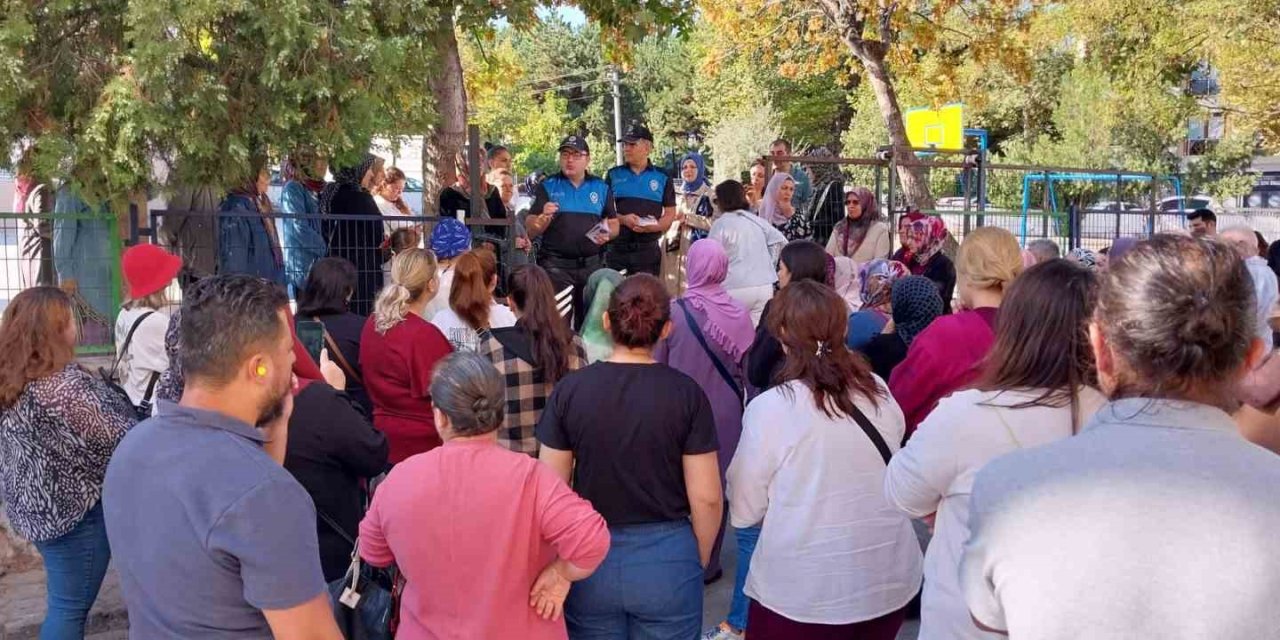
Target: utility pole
(617,112)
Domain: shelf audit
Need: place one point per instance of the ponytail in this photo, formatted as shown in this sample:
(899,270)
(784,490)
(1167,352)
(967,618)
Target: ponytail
(412,271)
(811,320)
(470,296)
(532,292)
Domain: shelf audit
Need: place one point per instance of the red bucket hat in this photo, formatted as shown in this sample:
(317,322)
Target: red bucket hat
(147,269)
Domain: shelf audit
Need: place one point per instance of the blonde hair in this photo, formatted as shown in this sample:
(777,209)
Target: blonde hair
(989,258)
(156,301)
(411,271)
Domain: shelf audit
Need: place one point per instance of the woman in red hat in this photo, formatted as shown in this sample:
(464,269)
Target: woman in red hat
(148,270)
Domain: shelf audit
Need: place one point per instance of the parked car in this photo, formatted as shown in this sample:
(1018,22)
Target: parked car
(1187,204)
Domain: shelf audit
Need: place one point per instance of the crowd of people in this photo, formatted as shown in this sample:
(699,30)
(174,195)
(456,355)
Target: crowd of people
(558,447)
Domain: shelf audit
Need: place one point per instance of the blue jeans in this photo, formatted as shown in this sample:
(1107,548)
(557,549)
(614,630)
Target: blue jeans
(747,539)
(74,565)
(648,587)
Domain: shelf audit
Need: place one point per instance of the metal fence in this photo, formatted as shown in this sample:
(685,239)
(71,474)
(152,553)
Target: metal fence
(1071,206)
(282,247)
(78,252)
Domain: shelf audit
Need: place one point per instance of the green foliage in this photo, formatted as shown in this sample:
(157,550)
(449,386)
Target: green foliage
(738,140)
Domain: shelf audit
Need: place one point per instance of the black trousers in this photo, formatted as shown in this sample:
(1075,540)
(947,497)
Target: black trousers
(571,272)
(636,258)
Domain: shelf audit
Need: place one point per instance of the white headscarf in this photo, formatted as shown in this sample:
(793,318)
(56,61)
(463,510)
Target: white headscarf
(769,202)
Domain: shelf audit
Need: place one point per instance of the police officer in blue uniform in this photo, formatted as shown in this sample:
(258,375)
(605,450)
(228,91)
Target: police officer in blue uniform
(568,209)
(646,201)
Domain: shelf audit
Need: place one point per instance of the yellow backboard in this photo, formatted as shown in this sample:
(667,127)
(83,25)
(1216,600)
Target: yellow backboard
(941,129)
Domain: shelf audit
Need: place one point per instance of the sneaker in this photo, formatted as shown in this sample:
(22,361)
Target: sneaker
(724,632)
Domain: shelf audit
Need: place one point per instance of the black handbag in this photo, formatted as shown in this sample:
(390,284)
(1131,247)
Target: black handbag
(143,409)
(366,601)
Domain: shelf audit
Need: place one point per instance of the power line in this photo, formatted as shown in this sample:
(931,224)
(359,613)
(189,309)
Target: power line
(570,87)
(560,77)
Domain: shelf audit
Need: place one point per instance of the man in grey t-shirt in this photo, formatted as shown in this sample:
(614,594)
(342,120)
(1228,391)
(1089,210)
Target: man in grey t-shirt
(1158,521)
(212,537)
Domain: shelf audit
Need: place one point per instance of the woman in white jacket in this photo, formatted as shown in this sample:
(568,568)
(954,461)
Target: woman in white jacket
(1037,387)
(753,246)
(834,559)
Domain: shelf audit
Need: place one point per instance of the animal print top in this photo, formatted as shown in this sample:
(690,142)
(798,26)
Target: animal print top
(172,381)
(55,442)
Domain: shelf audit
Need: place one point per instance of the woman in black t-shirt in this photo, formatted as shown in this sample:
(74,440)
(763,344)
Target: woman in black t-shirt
(638,440)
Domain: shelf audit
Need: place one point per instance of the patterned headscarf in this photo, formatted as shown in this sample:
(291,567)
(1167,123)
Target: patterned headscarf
(450,238)
(297,166)
(916,304)
(1085,257)
(351,176)
(851,233)
(927,237)
(769,203)
(883,274)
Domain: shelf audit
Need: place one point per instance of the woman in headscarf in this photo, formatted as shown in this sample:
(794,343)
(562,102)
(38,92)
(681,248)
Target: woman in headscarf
(903,253)
(449,240)
(877,278)
(862,234)
(693,217)
(595,297)
(710,335)
(303,239)
(775,205)
(357,235)
(1120,247)
(1085,258)
(916,305)
(926,237)
(247,237)
(845,279)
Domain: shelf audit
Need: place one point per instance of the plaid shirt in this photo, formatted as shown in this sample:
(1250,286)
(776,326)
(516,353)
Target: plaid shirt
(527,391)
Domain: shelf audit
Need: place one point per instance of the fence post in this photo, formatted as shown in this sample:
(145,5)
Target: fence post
(133,224)
(1118,205)
(893,218)
(968,193)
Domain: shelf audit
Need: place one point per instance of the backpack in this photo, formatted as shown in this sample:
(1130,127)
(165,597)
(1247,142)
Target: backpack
(143,409)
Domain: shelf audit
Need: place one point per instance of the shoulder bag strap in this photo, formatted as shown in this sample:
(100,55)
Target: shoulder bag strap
(870,430)
(128,339)
(333,524)
(336,353)
(702,340)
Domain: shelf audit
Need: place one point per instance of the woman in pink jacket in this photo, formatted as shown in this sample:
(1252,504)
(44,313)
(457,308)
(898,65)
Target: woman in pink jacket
(488,539)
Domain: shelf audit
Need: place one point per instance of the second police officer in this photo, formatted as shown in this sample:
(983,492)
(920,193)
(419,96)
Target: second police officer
(568,210)
(646,202)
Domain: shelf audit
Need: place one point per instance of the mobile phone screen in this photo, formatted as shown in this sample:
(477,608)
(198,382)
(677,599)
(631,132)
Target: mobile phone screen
(311,335)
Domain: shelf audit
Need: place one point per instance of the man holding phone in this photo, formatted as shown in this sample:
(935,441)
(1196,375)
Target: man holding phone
(573,212)
(646,201)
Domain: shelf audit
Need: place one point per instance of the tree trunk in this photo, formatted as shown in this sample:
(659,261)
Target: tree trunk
(450,133)
(914,180)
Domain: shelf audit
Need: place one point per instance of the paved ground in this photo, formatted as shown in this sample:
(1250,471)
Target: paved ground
(22,608)
(22,604)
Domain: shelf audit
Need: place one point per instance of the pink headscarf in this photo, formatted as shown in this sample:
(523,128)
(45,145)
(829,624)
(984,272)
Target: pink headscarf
(769,203)
(927,236)
(727,323)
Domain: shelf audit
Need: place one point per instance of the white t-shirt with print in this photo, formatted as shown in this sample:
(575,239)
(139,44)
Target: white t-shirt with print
(463,337)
